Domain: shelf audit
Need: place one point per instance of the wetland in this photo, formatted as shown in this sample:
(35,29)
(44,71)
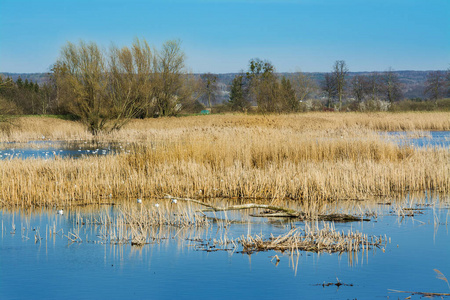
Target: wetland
(317,205)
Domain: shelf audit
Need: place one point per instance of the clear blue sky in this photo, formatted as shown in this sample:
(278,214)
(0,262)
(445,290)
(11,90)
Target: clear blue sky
(221,36)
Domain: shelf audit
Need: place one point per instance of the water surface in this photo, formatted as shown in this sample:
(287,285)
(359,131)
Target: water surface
(174,266)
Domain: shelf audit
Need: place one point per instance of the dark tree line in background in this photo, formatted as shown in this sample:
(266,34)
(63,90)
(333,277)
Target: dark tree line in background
(26,97)
(106,88)
(262,88)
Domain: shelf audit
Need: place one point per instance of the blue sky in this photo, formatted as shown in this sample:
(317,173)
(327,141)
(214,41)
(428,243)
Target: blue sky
(222,36)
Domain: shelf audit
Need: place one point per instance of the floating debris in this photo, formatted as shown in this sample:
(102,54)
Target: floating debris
(326,239)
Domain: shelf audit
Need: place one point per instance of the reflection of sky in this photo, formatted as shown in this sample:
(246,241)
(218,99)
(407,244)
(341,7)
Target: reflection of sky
(51,149)
(431,139)
(172,268)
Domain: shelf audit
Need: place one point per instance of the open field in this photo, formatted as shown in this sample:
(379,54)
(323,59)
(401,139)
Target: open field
(307,158)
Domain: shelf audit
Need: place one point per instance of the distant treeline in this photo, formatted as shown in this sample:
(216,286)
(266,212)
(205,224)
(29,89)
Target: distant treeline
(104,89)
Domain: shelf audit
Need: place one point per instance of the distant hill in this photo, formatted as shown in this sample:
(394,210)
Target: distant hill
(40,78)
(413,81)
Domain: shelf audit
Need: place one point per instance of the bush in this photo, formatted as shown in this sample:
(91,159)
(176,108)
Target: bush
(428,105)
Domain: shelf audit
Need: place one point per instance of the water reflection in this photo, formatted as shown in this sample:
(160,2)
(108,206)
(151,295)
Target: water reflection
(174,265)
(63,149)
(421,138)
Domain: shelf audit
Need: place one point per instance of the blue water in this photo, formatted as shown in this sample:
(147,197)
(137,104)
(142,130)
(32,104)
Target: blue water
(52,149)
(432,139)
(63,149)
(173,267)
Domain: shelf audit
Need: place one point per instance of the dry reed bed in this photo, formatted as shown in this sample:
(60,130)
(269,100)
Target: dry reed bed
(310,239)
(268,157)
(241,163)
(37,128)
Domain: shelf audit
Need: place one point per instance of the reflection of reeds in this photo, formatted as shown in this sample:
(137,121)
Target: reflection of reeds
(308,158)
(140,225)
(441,276)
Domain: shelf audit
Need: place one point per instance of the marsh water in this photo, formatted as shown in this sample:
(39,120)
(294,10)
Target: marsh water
(422,139)
(47,149)
(38,260)
(51,149)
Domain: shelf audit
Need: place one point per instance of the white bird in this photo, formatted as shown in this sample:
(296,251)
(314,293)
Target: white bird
(60,212)
(156,205)
(139,201)
(174,201)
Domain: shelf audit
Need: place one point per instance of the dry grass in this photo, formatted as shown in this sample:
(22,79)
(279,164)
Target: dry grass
(34,128)
(258,157)
(313,239)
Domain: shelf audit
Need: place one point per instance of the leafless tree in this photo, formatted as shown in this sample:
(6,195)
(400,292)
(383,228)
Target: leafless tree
(303,85)
(392,86)
(359,88)
(209,87)
(169,70)
(340,72)
(435,85)
(130,81)
(81,77)
(329,87)
(374,85)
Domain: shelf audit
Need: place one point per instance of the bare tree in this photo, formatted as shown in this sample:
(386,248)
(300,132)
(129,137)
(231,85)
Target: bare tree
(340,72)
(106,89)
(374,85)
(392,86)
(303,85)
(359,87)
(210,87)
(329,87)
(189,93)
(168,78)
(130,74)
(80,74)
(435,85)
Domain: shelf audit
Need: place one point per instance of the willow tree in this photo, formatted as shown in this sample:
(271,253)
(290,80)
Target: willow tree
(82,83)
(168,78)
(104,89)
(130,80)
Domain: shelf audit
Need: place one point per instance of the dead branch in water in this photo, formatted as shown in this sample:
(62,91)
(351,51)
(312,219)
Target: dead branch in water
(272,211)
(287,211)
(425,294)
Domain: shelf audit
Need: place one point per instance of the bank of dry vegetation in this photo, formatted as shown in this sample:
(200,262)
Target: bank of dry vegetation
(308,158)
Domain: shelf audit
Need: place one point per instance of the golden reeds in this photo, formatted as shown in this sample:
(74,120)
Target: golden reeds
(38,128)
(257,157)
